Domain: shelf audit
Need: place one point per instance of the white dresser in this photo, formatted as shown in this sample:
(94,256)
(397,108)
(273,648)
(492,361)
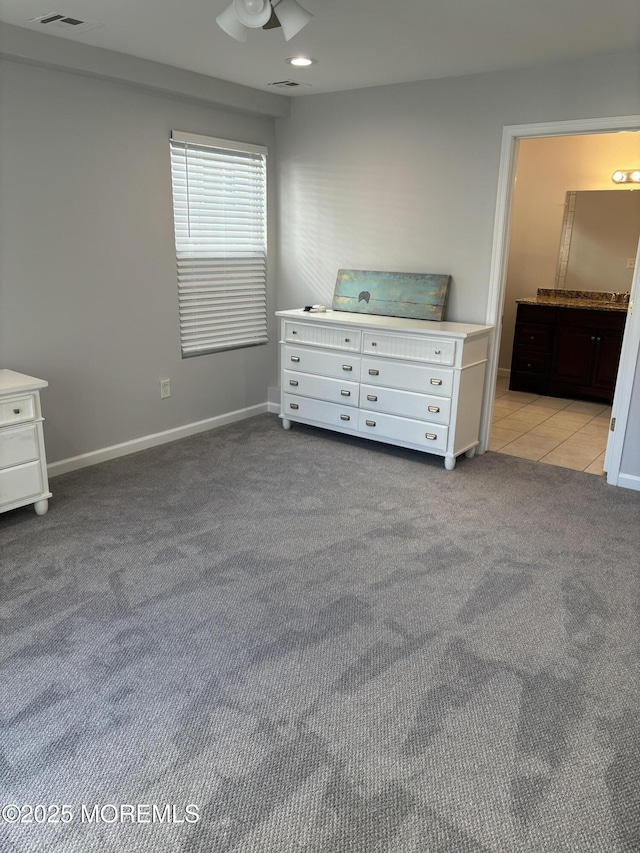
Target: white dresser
(414,383)
(23,464)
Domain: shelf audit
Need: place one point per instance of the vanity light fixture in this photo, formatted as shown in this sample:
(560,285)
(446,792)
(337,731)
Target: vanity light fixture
(626,176)
(301,61)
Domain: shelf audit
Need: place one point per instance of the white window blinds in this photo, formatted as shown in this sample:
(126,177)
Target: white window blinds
(220,219)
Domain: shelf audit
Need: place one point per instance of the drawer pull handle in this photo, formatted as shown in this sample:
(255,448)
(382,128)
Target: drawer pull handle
(293,382)
(346,393)
(436,381)
(345,417)
(295,358)
(374,344)
(347,367)
(533,337)
(347,340)
(16,411)
(372,397)
(438,352)
(430,435)
(294,406)
(370,423)
(434,408)
(529,365)
(374,372)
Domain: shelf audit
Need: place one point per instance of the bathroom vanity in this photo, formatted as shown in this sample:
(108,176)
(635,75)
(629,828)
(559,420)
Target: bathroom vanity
(567,344)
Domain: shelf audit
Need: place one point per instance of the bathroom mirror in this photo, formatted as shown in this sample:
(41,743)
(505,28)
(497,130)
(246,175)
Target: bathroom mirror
(599,240)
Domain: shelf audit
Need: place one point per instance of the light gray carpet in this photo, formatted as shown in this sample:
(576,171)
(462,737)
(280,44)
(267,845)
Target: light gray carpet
(327,646)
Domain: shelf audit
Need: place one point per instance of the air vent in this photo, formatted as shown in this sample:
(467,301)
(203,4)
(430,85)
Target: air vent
(288,84)
(63,22)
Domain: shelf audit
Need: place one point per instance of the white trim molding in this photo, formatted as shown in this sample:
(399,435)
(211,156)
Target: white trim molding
(104,454)
(629,481)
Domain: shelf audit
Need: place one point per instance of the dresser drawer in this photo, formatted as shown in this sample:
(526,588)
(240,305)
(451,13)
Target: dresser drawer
(20,482)
(408,377)
(322,336)
(332,390)
(327,414)
(333,364)
(427,436)
(407,404)
(17,410)
(18,445)
(410,347)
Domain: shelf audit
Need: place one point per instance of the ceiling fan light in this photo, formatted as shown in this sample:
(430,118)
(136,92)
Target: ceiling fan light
(252,13)
(292,17)
(229,22)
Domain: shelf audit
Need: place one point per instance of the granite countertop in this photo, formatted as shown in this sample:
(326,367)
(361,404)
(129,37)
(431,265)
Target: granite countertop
(590,299)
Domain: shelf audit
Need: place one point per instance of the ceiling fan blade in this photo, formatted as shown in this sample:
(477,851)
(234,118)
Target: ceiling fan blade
(273,22)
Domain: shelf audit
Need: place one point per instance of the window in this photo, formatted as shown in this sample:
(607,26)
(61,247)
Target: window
(220,223)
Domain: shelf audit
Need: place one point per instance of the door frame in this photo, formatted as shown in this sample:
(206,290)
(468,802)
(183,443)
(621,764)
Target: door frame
(624,386)
(511,136)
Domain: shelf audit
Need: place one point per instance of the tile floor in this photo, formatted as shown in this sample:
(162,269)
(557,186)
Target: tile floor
(568,433)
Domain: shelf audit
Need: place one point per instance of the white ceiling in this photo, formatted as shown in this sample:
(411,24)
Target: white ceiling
(356,43)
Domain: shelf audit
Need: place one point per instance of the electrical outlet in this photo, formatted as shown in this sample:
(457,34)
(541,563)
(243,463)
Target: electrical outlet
(631,263)
(165,388)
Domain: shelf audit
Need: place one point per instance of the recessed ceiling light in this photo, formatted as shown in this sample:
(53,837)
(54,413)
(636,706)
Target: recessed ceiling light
(301,61)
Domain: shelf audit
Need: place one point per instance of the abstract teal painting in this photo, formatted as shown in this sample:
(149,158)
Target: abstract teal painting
(421,296)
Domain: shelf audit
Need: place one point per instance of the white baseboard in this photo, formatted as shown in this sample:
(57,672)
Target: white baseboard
(629,481)
(73,463)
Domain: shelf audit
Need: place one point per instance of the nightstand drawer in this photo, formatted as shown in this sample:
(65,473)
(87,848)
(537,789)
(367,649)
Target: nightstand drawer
(331,390)
(407,404)
(336,365)
(18,445)
(21,482)
(17,410)
(425,435)
(408,377)
(409,347)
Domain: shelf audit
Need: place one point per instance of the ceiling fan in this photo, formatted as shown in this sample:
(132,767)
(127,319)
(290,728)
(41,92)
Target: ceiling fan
(263,14)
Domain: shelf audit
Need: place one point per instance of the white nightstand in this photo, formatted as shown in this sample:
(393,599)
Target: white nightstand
(23,463)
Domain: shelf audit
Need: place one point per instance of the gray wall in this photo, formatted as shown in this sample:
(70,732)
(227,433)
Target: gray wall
(405,177)
(88,296)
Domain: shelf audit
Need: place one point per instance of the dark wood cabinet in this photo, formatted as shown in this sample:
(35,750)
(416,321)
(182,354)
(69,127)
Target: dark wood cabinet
(532,348)
(567,352)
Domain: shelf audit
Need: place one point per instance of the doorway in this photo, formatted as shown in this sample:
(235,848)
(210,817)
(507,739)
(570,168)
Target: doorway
(512,138)
(572,228)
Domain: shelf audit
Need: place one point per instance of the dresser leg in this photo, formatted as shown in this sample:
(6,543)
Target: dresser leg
(449,462)
(470,453)
(41,507)
(286,423)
